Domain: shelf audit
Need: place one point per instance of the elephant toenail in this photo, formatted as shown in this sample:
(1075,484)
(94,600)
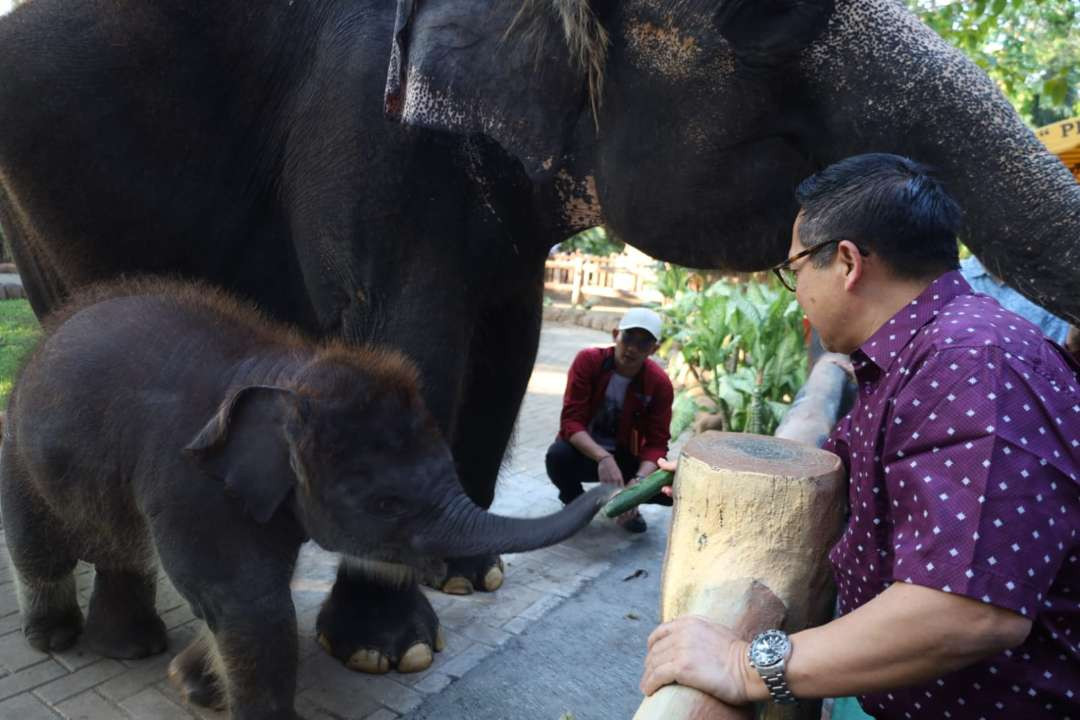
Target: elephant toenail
(440,640)
(416,658)
(325,643)
(369,661)
(493,580)
(457,585)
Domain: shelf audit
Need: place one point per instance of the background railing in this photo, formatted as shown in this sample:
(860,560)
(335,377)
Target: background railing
(623,277)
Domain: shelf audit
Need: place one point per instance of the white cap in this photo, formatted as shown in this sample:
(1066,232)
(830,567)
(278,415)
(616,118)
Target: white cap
(641,318)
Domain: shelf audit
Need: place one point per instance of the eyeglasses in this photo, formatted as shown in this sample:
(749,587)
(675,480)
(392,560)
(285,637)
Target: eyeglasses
(788,277)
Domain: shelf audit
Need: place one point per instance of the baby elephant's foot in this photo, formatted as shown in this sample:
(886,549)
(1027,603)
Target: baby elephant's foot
(122,622)
(465,575)
(374,629)
(51,616)
(193,675)
(53,632)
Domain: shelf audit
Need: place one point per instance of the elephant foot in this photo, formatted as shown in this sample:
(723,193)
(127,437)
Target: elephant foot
(193,675)
(465,575)
(54,632)
(121,622)
(128,640)
(375,628)
(51,616)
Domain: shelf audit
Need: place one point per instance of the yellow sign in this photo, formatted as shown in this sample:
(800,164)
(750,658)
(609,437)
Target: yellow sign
(1063,139)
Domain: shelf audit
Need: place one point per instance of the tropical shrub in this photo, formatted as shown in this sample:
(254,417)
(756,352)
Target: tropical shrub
(742,345)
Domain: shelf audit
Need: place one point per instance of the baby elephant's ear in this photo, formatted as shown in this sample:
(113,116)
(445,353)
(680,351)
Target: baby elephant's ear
(246,446)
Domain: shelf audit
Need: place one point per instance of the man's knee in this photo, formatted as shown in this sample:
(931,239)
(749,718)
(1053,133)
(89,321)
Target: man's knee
(561,458)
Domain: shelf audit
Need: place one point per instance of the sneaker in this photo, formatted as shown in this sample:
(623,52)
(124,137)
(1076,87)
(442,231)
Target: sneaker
(635,524)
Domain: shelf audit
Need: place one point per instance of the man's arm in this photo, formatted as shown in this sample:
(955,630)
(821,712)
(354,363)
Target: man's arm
(905,636)
(607,470)
(646,468)
(584,444)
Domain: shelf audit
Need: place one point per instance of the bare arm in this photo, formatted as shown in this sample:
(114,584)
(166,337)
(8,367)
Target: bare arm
(905,636)
(646,468)
(588,447)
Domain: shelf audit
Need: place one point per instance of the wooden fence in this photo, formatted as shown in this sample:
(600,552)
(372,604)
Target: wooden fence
(617,277)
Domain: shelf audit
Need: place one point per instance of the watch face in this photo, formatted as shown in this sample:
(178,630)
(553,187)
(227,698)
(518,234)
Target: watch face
(769,648)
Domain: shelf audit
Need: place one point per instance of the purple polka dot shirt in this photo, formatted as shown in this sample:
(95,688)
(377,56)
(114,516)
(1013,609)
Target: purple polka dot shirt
(963,451)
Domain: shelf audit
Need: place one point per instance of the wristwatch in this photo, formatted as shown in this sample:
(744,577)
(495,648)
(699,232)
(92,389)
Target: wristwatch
(768,654)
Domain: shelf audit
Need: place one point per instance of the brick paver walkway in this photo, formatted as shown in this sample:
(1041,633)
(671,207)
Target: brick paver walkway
(80,685)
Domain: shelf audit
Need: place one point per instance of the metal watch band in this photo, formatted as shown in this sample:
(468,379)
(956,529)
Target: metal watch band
(777,684)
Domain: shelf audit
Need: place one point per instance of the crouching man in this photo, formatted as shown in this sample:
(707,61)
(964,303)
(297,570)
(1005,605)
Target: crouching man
(616,414)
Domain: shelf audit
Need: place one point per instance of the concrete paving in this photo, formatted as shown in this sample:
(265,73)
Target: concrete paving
(565,634)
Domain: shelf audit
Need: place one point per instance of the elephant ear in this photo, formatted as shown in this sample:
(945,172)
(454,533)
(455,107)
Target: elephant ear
(771,32)
(247,445)
(500,68)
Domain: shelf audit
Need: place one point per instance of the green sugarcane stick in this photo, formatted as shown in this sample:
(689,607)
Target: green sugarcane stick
(636,494)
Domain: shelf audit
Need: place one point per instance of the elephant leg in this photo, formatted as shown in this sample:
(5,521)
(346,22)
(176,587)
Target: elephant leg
(122,621)
(257,656)
(374,622)
(236,578)
(44,558)
(502,354)
(198,675)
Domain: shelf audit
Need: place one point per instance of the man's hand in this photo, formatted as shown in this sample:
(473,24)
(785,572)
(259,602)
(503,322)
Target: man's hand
(665,464)
(607,470)
(698,653)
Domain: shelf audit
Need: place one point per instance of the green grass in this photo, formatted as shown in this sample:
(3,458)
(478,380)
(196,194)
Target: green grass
(19,330)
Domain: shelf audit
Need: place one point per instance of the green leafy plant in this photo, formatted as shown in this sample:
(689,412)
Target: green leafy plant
(742,344)
(594,241)
(1030,48)
(19,330)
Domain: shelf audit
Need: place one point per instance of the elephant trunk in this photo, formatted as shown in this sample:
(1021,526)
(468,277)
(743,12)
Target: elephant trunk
(467,530)
(889,82)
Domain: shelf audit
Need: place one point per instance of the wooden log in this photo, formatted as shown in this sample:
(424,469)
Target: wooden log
(752,523)
(819,403)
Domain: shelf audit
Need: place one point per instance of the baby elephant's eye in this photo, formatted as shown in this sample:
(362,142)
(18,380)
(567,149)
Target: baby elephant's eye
(387,505)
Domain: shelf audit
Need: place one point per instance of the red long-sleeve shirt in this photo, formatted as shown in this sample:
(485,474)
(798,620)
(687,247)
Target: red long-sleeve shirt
(645,421)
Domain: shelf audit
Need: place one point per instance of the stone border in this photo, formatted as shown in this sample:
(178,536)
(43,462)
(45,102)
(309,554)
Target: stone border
(11,291)
(602,321)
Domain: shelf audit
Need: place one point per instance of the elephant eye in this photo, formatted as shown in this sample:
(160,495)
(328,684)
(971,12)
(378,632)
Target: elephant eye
(389,506)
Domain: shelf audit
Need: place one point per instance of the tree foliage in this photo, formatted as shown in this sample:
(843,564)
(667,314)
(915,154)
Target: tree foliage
(742,343)
(1031,48)
(594,241)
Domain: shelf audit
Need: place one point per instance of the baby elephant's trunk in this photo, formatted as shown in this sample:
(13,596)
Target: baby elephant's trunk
(468,530)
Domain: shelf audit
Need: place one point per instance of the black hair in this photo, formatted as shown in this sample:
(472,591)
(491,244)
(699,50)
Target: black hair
(887,205)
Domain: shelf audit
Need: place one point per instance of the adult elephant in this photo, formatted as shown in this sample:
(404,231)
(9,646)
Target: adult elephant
(247,145)
(685,126)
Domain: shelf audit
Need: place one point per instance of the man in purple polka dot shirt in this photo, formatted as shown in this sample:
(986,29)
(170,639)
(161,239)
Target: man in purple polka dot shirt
(957,576)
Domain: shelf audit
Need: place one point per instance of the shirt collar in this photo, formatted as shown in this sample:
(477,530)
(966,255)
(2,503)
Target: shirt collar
(881,349)
(971,267)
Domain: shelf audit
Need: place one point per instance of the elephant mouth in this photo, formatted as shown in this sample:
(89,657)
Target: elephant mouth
(398,565)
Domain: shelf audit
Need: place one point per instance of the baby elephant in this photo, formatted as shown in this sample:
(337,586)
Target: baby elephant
(165,422)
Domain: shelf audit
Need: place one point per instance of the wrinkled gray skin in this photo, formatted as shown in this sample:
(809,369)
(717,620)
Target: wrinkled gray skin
(711,113)
(159,422)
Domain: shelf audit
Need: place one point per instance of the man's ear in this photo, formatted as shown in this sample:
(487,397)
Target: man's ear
(771,32)
(851,261)
(247,445)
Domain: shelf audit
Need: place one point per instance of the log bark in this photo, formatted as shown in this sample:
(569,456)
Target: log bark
(753,520)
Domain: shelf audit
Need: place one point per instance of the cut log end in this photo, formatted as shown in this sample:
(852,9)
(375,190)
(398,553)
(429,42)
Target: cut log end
(741,452)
